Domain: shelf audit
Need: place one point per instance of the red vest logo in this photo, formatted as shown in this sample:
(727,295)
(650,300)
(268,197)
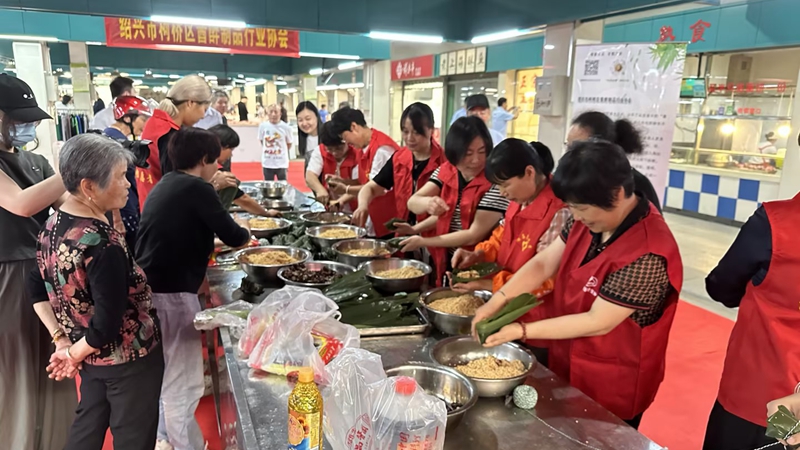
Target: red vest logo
(591,285)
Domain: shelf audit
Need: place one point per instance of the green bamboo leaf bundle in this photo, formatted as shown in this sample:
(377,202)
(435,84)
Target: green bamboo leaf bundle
(485,270)
(515,309)
(782,424)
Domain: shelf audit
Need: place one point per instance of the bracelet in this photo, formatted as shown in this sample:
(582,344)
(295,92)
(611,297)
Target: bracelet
(67,353)
(57,334)
(524,331)
(347,189)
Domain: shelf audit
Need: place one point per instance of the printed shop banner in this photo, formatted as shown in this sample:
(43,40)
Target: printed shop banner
(638,82)
(139,33)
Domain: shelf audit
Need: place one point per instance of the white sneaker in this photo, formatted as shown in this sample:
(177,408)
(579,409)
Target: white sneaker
(164,445)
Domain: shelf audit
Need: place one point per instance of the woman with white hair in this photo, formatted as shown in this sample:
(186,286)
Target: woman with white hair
(101,302)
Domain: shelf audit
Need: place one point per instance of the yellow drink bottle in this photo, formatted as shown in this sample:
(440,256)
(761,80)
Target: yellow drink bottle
(305,413)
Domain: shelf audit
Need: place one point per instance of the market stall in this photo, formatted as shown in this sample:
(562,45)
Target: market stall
(252,405)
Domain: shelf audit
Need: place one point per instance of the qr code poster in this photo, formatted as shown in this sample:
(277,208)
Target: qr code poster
(637,82)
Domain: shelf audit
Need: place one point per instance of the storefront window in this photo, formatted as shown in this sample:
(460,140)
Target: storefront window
(462,89)
(430,93)
(737,117)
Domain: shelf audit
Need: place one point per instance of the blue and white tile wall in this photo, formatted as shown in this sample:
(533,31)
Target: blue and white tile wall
(716,195)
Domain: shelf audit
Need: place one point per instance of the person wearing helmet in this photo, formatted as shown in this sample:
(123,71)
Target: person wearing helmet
(130,115)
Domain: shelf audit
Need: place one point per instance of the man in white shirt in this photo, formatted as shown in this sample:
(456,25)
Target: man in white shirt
(276,140)
(501,116)
(478,105)
(212,117)
(105,118)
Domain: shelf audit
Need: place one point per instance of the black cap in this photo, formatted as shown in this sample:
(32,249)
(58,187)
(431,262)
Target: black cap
(18,102)
(477,101)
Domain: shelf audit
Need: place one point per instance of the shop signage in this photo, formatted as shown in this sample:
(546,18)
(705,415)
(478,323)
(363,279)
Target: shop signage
(451,63)
(419,67)
(480,59)
(139,33)
(471,60)
(470,68)
(461,61)
(638,82)
(443,65)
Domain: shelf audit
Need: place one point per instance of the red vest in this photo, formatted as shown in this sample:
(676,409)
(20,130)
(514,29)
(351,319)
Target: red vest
(329,166)
(381,209)
(763,361)
(623,369)
(158,125)
(404,185)
(523,229)
(470,197)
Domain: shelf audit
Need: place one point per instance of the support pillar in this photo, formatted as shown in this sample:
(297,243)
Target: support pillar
(32,60)
(790,174)
(557,60)
(377,104)
(81,77)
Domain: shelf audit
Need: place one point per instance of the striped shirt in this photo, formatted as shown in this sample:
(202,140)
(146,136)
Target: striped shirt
(491,201)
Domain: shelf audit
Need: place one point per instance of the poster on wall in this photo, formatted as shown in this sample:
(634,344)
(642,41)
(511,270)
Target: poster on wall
(470,61)
(443,64)
(451,63)
(480,59)
(638,82)
(461,61)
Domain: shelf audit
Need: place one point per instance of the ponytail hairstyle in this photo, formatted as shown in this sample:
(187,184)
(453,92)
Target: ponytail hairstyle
(302,136)
(621,132)
(421,117)
(512,156)
(192,88)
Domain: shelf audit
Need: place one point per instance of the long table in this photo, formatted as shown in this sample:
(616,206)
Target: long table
(252,406)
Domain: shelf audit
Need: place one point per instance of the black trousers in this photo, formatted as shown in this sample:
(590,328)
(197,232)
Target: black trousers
(124,397)
(726,431)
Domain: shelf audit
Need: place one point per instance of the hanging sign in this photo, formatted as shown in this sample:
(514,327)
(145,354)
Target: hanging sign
(419,67)
(140,33)
(638,82)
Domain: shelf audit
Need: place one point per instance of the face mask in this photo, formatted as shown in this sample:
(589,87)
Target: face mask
(23,133)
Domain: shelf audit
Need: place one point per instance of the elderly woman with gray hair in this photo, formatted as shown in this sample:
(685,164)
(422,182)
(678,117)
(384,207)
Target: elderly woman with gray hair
(100,299)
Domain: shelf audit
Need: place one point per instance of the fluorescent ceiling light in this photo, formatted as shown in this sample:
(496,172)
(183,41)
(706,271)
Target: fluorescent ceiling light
(350,65)
(249,79)
(287,90)
(328,87)
(202,22)
(549,46)
(491,37)
(280,83)
(19,37)
(351,86)
(405,37)
(66,75)
(316,72)
(174,77)
(124,74)
(137,82)
(211,77)
(240,75)
(95,43)
(328,55)
(201,74)
(159,75)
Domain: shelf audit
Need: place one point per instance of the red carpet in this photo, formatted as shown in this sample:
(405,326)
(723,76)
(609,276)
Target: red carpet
(252,171)
(695,356)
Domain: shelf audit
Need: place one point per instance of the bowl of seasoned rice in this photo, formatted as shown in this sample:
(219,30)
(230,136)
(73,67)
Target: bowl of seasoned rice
(327,235)
(451,312)
(263,263)
(496,371)
(395,275)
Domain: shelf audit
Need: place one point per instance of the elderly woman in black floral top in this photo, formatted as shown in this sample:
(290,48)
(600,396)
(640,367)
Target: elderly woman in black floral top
(102,302)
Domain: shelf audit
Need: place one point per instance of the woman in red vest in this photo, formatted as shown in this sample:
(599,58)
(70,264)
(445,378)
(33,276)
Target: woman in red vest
(759,275)
(186,103)
(377,149)
(618,275)
(333,158)
(467,205)
(534,219)
(406,171)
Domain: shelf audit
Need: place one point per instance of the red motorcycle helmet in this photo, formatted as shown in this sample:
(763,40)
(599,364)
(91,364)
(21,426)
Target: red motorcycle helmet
(130,104)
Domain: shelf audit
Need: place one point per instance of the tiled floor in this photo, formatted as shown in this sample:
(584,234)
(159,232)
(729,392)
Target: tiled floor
(702,244)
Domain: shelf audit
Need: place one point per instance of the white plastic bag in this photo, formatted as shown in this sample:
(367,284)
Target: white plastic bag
(233,315)
(348,400)
(263,315)
(287,342)
(404,416)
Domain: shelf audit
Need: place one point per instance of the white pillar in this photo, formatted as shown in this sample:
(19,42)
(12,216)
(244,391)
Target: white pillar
(790,174)
(557,60)
(377,78)
(32,60)
(81,78)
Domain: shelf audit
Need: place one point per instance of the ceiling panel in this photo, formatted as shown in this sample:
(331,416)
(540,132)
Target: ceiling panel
(194,8)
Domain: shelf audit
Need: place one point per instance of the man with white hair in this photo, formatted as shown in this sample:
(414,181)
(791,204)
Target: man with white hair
(275,137)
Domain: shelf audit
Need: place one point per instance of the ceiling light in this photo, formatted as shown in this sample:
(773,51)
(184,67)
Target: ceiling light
(727,129)
(59,70)
(198,21)
(491,37)
(124,74)
(201,74)
(287,90)
(280,83)
(11,69)
(386,36)
(159,75)
(240,75)
(174,77)
(249,79)
(94,43)
(148,72)
(316,72)
(137,82)
(211,77)
(328,87)
(549,46)
(351,86)
(66,75)
(784,130)
(255,82)
(328,55)
(350,65)
(19,37)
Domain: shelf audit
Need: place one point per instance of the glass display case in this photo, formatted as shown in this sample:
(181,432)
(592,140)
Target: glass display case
(742,128)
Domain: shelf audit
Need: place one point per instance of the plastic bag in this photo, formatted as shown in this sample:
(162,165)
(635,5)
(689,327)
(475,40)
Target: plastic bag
(233,315)
(263,315)
(288,343)
(404,415)
(348,401)
(332,336)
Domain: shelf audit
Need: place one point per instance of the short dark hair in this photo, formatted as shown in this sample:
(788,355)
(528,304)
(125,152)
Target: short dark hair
(244,97)
(323,106)
(228,138)
(191,146)
(591,173)
(344,118)
(621,132)
(512,156)
(420,115)
(66,99)
(462,132)
(328,136)
(502,101)
(120,85)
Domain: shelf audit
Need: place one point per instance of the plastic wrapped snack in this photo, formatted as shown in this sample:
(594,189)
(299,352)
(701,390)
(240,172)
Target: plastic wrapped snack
(233,315)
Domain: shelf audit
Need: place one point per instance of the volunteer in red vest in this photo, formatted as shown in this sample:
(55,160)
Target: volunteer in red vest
(332,158)
(534,219)
(468,206)
(758,275)
(377,149)
(618,276)
(406,171)
(184,106)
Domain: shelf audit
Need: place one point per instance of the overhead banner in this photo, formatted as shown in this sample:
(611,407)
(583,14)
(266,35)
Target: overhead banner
(139,33)
(638,82)
(407,69)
